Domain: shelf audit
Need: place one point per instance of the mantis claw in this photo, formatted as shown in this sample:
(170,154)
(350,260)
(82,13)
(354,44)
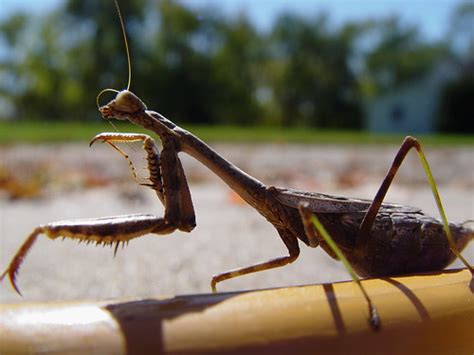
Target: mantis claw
(14,266)
(12,278)
(374,318)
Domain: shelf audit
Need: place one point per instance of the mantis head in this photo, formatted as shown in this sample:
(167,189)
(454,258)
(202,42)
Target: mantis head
(123,107)
(126,104)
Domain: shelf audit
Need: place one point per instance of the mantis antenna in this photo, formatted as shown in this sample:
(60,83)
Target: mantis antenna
(127,50)
(124,33)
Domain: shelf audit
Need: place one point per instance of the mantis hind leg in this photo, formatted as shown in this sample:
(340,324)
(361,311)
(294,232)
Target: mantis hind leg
(364,228)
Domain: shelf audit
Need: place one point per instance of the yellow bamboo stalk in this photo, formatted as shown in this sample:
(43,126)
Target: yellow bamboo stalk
(432,314)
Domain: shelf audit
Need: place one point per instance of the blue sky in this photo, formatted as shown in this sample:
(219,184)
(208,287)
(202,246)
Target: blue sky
(431,15)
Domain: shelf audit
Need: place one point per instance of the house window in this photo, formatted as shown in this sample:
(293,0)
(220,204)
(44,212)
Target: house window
(397,113)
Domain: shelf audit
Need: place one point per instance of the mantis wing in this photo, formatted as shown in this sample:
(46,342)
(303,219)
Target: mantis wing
(322,203)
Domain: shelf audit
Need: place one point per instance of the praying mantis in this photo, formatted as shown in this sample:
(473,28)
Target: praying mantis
(374,238)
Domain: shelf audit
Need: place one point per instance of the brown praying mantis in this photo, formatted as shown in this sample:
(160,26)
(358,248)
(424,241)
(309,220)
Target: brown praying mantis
(375,238)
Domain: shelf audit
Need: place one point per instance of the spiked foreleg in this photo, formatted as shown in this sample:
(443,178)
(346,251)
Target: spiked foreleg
(166,178)
(153,157)
(101,231)
(179,207)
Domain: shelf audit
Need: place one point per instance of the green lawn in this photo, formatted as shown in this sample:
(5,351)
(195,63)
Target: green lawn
(53,132)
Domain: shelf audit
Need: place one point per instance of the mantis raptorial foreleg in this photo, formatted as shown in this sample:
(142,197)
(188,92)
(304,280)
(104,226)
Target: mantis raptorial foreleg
(101,231)
(153,157)
(166,178)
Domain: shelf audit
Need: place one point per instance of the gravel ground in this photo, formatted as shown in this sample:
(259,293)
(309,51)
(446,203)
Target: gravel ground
(77,182)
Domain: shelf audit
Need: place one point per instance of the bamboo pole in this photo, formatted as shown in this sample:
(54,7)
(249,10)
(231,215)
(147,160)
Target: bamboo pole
(431,313)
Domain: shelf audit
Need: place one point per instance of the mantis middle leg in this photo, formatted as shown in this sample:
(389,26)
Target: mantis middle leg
(293,252)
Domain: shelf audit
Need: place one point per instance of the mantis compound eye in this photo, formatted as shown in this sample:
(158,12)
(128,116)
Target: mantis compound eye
(126,101)
(124,104)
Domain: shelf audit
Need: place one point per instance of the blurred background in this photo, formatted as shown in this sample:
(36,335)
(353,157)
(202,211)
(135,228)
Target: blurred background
(382,66)
(315,95)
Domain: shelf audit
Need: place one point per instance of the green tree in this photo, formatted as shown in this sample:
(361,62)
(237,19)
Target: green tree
(175,72)
(196,65)
(237,65)
(60,58)
(313,83)
(96,54)
(461,30)
(203,67)
(33,69)
(399,56)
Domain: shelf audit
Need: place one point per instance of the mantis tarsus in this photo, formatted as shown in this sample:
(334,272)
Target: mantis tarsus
(377,239)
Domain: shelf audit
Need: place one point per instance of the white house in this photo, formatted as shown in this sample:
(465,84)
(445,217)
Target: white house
(413,107)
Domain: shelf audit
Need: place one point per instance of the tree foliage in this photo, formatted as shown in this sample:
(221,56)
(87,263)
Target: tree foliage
(400,55)
(313,83)
(198,65)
